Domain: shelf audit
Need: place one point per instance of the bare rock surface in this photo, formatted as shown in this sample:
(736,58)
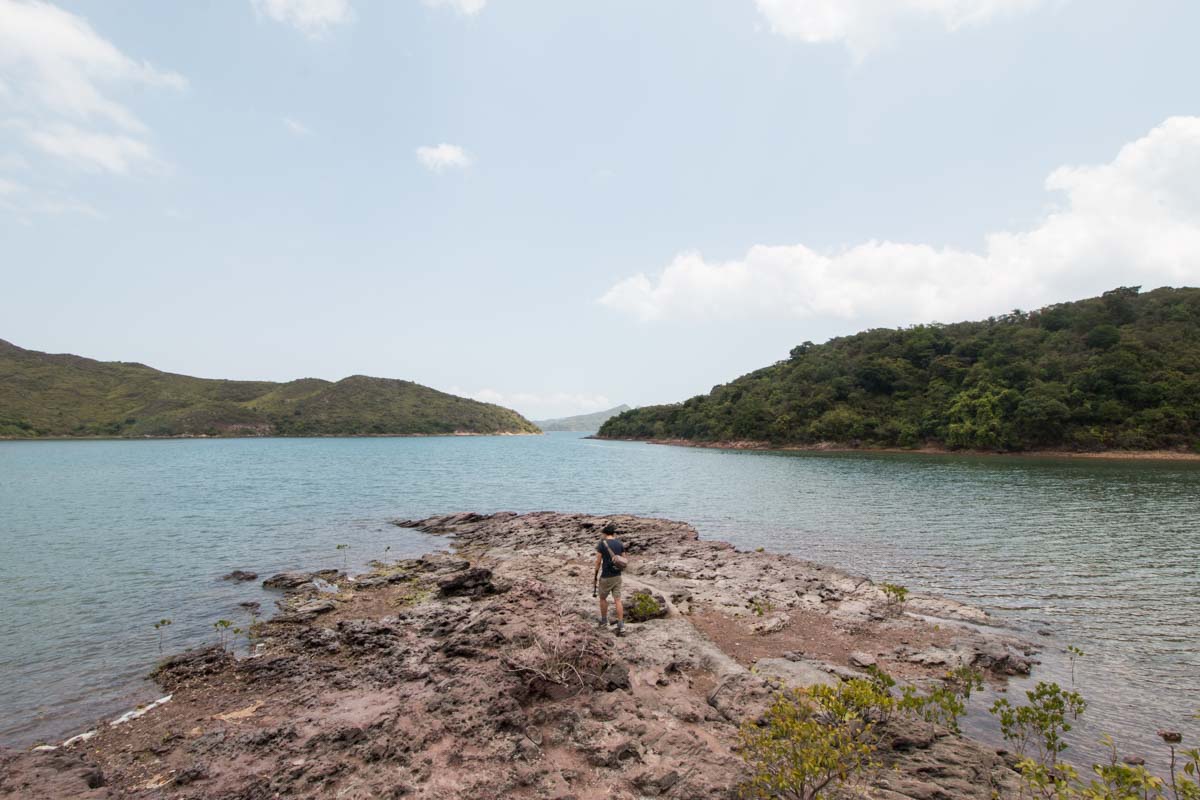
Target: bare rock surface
(483,674)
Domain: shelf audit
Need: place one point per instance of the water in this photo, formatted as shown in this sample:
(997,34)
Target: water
(99,540)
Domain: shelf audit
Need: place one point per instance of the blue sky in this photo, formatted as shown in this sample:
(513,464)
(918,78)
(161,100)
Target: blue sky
(563,206)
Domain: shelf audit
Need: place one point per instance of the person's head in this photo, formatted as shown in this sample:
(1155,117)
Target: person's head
(609,529)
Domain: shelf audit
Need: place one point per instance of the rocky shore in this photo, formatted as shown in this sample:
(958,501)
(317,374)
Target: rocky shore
(839,447)
(482,673)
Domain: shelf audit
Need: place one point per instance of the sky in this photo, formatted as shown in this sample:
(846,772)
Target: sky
(563,206)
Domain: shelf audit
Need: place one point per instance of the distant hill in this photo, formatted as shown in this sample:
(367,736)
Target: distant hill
(64,395)
(582,422)
(1121,371)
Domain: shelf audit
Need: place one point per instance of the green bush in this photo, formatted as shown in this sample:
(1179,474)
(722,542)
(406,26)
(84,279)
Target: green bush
(1093,374)
(642,606)
(803,746)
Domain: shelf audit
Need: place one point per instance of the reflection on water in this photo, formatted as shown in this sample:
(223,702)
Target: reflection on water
(98,540)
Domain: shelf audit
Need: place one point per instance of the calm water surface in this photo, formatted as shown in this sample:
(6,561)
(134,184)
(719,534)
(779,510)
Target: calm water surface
(98,540)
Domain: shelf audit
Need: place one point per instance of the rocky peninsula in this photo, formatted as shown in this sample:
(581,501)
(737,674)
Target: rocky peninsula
(481,672)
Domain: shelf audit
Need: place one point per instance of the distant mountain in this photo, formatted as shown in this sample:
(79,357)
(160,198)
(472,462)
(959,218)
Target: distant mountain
(64,395)
(582,422)
(1117,372)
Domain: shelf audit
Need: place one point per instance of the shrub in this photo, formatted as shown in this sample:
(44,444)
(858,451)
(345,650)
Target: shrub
(1042,722)
(643,606)
(801,748)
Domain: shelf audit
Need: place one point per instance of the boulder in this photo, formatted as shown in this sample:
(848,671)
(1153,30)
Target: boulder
(643,605)
(771,623)
(240,575)
(864,660)
(295,580)
(655,782)
(191,665)
(315,607)
(473,582)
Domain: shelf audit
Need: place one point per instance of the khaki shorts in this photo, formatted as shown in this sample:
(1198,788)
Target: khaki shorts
(610,586)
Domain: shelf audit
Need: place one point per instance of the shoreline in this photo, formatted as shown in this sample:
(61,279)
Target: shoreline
(829,447)
(431,674)
(264,436)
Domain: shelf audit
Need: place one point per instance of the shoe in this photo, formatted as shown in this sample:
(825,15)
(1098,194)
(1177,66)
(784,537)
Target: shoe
(620,629)
(602,624)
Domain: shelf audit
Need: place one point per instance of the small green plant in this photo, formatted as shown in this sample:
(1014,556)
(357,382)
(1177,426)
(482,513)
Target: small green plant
(894,592)
(345,551)
(859,701)
(222,627)
(761,606)
(946,702)
(642,606)
(1042,722)
(1073,653)
(252,630)
(804,746)
(158,628)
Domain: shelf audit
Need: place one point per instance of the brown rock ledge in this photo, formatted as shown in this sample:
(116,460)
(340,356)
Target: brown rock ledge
(483,674)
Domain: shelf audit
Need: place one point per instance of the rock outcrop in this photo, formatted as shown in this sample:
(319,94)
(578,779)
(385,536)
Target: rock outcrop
(483,674)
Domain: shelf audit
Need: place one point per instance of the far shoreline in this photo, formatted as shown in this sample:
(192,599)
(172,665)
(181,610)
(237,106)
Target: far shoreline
(185,436)
(831,447)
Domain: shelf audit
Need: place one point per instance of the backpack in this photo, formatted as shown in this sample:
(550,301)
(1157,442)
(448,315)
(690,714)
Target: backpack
(620,562)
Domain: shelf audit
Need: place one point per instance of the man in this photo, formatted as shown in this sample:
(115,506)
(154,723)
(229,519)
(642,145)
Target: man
(607,578)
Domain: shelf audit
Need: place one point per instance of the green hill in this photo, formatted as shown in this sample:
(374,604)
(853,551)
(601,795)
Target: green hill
(1121,371)
(580,422)
(64,395)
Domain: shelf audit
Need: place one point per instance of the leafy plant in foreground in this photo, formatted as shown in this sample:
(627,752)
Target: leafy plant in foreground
(945,702)
(1042,722)
(808,741)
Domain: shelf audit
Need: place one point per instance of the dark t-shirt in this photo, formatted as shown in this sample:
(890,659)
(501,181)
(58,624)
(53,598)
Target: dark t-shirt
(607,570)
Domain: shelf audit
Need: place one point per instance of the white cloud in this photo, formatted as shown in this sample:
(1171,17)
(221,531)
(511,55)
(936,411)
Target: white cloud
(534,405)
(313,18)
(55,63)
(8,187)
(863,25)
(296,127)
(467,8)
(1135,220)
(60,77)
(443,156)
(117,153)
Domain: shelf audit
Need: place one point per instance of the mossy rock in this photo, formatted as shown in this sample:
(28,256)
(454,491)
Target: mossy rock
(643,606)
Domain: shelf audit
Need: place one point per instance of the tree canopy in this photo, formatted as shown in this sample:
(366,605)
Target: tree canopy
(1120,371)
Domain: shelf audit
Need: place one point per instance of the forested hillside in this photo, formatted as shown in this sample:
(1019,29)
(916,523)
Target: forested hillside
(1121,371)
(65,395)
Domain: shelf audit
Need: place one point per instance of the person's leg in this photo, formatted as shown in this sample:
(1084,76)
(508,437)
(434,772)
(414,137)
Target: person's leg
(620,608)
(604,610)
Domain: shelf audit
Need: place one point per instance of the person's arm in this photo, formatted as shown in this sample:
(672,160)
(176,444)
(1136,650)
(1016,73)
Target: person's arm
(596,574)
